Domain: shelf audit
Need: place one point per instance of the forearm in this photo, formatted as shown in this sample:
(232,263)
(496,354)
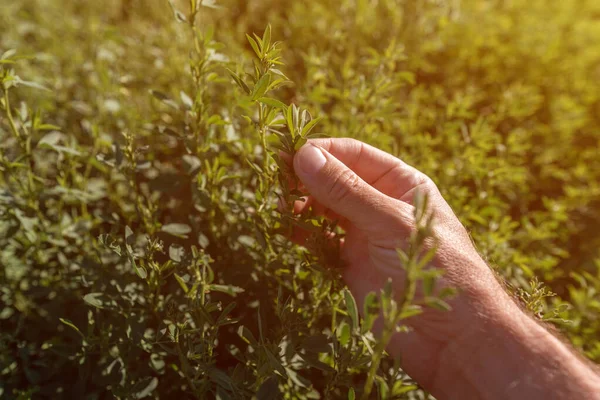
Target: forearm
(511,356)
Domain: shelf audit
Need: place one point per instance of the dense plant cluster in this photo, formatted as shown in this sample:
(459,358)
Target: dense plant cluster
(142,250)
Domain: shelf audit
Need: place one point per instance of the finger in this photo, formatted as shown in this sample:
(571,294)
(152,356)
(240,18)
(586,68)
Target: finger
(386,173)
(338,188)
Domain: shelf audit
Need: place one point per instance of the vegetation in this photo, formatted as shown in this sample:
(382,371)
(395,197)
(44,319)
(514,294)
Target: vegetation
(142,252)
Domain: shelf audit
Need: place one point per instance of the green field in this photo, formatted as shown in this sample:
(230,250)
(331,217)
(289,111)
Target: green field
(141,251)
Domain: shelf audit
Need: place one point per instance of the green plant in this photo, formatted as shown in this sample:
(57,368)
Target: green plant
(142,250)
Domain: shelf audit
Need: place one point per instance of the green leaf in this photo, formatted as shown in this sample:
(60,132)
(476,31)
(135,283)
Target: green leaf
(261,87)
(411,311)
(301,142)
(351,308)
(400,388)
(383,388)
(182,283)
(309,126)
(229,289)
(437,304)
(71,325)
(139,270)
(255,46)
(345,334)
(272,102)
(239,81)
(289,116)
(266,39)
(351,394)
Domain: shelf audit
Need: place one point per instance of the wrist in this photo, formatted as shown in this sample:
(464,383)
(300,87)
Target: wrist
(510,355)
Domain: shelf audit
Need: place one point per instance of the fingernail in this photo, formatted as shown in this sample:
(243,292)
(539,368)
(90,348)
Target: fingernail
(311,159)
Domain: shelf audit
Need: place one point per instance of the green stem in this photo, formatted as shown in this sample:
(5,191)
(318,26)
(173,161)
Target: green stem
(379,350)
(11,121)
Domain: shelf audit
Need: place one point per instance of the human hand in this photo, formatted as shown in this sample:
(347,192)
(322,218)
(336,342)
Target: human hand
(370,193)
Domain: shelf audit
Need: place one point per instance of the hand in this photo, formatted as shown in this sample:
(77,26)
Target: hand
(370,193)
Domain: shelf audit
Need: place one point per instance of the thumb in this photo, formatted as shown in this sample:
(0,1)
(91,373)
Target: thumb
(340,189)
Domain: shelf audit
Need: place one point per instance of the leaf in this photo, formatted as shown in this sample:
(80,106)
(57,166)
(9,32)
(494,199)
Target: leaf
(229,308)
(129,238)
(400,388)
(247,336)
(229,289)
(301,142)
(255,46)
(345,334)
(261,87)
(147,388)
(164,99)
(96,299)
(179,16)
(176,252)
(272,102)
(290,120)
(51,139)
(8,54)
(351,394)
(370,311)
(186,100)
(382,387)
(60,149)
(274,362)
(351,307)
(266,39)
(139,270)
(309,126)
(19,82)
(71,325)
(411,311)
(178,230)
(182,283)
(239,81)
(438,304)
(210,4)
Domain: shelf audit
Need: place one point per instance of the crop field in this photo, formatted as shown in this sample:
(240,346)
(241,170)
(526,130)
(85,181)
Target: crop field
(142,250)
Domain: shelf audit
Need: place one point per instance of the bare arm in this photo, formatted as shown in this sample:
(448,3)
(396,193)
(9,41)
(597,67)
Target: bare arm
(485,347)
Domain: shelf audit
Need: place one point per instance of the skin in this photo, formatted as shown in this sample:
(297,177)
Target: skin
(486,347)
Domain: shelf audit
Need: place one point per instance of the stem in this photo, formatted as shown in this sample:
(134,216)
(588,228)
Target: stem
(379,350)
(11,121)
(390,325)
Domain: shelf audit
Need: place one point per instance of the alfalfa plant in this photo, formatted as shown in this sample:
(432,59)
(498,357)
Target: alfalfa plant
(396,305)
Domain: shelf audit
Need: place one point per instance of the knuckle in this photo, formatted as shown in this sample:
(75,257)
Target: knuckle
(424,183)
(344,185)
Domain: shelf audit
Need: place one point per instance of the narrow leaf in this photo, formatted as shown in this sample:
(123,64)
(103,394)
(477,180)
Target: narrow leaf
(351,307)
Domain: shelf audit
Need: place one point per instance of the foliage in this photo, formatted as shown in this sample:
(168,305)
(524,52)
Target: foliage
(142,145)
